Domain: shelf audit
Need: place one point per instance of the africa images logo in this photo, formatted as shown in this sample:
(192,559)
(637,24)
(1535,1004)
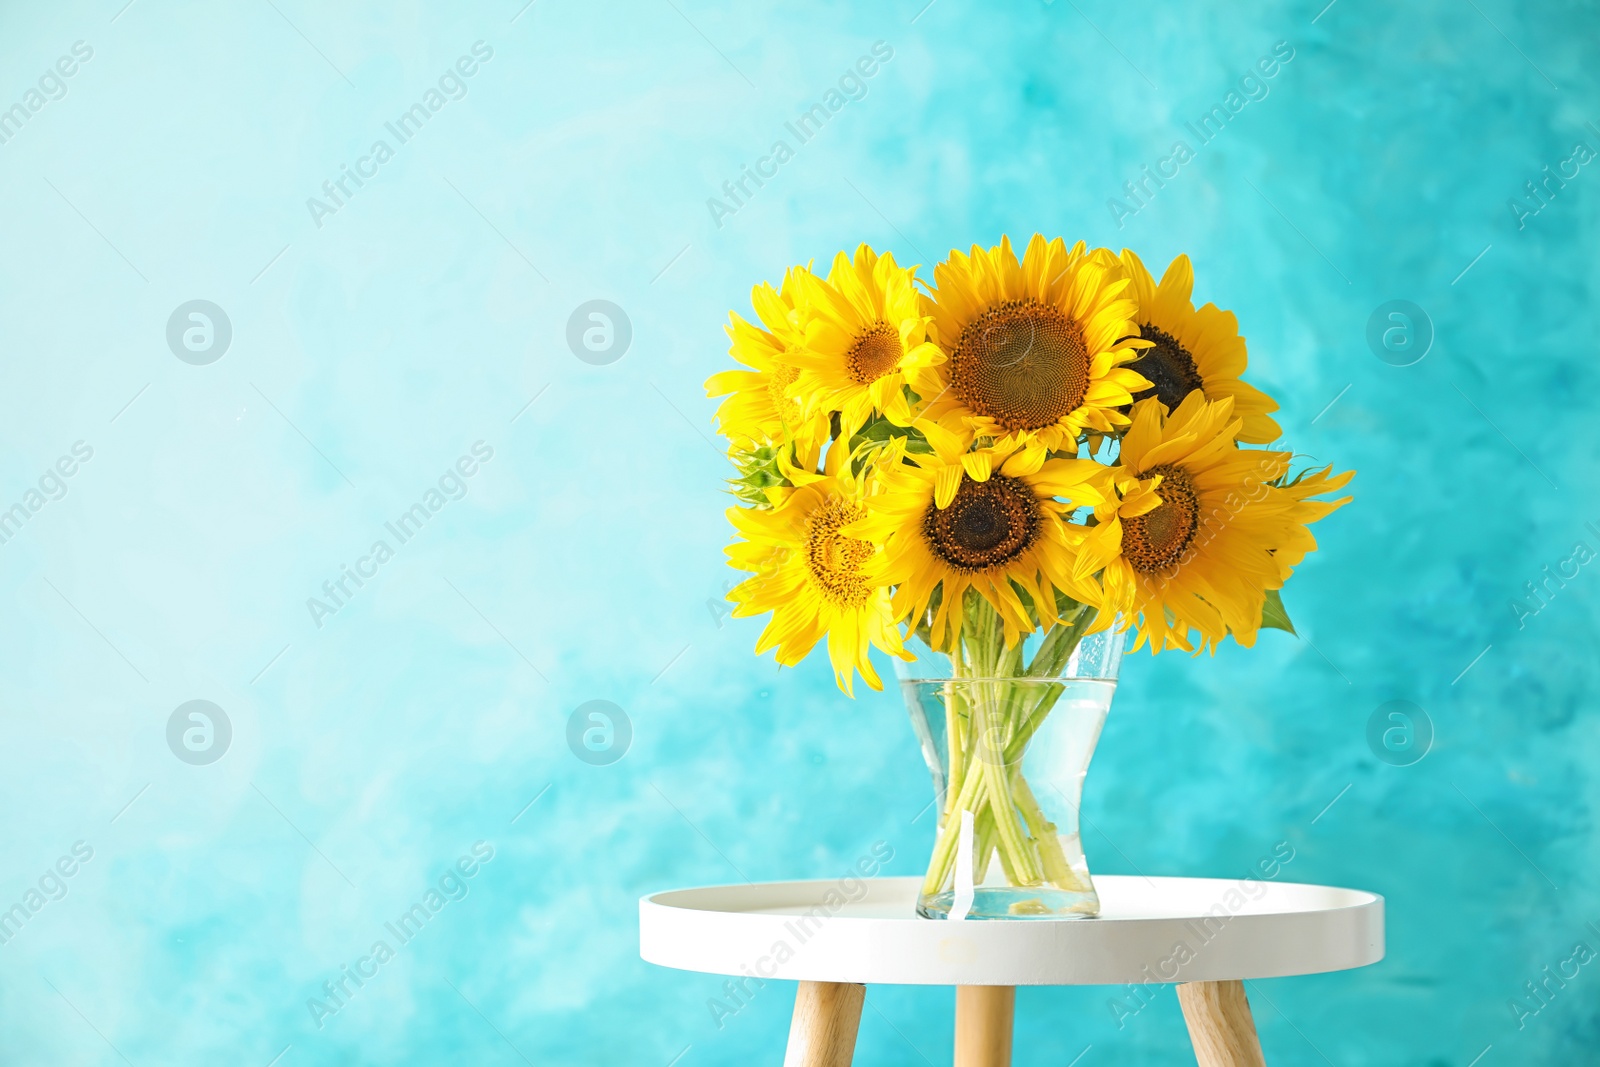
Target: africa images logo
(451,886)
(852,85)
(452,85)
(199,732)
(452,485)
(52,86)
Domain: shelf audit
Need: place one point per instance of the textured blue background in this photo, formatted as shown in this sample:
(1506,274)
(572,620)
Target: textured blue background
(584,561)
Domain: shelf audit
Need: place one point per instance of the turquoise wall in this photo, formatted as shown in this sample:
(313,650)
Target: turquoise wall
(397,371)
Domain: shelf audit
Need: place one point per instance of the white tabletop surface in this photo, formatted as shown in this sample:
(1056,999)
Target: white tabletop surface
(1149,930)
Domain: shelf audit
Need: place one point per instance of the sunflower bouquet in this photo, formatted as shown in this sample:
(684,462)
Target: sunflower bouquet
(991,470)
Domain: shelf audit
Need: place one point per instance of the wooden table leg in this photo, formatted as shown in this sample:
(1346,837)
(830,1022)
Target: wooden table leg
(823,1031)
(983,1025)
(1220,1026)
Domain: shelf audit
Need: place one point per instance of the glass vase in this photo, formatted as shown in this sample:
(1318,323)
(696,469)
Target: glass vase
(1008,734)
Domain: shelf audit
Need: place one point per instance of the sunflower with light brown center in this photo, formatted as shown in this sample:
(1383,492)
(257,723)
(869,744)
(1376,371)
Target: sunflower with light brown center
(1199,531)
(873,353)
(863,333)
(1022,364)
(1193,349)
(815,579)
(835,561)
(1156,540)
(761,406)
(1040,350)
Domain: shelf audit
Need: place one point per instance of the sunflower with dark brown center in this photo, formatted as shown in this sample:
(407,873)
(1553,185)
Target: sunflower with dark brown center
(1196,534)
(1168,365)
(1040,350)
(1194,349)
(991,520)
(988,524)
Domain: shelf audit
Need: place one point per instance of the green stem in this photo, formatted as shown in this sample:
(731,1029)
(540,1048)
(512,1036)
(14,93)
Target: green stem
(997,781)
(991,844)
(954,701)
(983,838)
(1060,643)
(1057,870)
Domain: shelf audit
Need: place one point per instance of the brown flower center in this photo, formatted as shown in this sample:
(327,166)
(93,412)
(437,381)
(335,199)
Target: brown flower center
(1157,539)
(877,351)
(835,560)
(1168,365)
(1022,363)
(988,524)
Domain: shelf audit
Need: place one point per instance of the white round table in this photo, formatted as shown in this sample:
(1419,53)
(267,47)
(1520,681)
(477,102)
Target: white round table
(835,937)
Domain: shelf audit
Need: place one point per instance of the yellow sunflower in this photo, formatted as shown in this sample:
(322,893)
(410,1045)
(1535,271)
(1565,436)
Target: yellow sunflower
(988,520)
(1196,533)
(1038,349)
(762,408)
(811,576)
(1194,349)
(864,331)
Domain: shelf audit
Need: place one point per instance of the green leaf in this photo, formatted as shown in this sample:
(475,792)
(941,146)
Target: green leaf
(880,430)
(1273,614)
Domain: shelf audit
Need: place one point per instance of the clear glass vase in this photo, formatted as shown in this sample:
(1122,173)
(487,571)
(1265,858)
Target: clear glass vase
(1008,735)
